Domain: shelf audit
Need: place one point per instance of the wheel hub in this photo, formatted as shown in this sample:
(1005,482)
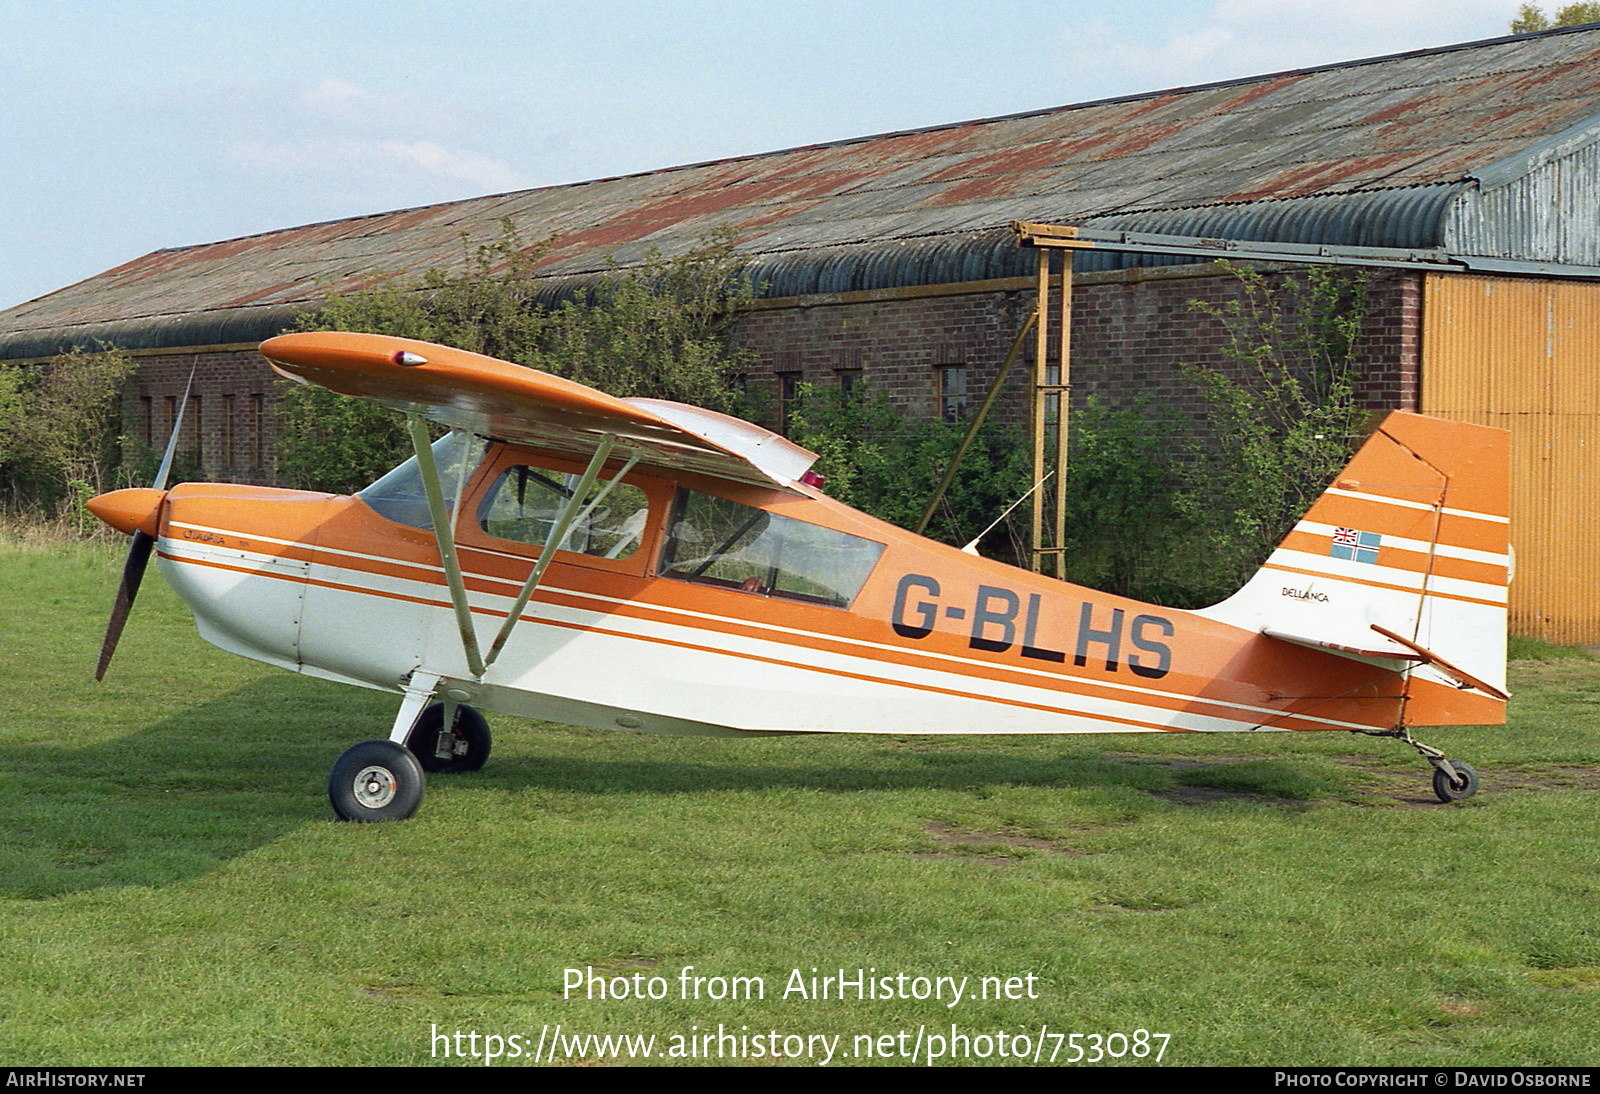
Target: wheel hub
(375,787)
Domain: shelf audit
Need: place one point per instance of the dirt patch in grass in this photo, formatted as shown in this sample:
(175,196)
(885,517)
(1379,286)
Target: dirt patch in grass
(1568,979)
(1210,795)
(977,846)
(624,966)
(1548,777)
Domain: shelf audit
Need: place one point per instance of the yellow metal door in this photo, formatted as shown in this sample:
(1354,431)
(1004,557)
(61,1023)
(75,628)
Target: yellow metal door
(1524,355)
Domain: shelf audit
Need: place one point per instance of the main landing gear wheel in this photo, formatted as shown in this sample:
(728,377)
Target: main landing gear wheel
(375,781)
(1457,790)
(467,745)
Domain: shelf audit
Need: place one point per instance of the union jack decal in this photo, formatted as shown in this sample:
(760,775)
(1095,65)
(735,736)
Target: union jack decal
(1355,546)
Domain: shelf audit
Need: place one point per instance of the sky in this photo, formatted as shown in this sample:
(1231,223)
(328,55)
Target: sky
(128,126)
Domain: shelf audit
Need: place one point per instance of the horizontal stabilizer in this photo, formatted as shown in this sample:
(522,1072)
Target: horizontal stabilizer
(1379,653)
(1428,657)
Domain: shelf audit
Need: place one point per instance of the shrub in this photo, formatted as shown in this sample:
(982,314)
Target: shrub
(60,431)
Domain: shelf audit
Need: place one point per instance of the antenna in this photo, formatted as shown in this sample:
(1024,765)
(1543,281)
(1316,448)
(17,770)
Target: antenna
(972,548)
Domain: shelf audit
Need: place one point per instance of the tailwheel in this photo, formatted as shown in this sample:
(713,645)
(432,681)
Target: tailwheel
(463,746)
(1463,786)
(375,781)
(1453,780)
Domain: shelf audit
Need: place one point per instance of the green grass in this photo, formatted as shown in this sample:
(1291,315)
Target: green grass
(174,891)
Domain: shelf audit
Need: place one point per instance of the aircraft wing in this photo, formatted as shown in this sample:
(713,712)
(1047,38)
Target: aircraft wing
(507,402)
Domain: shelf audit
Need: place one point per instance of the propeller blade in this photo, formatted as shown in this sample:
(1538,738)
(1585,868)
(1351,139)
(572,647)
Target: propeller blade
(133,568)
(172,441)
(139,549)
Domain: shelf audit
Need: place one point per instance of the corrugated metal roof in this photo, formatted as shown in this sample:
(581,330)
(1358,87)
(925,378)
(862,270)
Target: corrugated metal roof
(1366,153)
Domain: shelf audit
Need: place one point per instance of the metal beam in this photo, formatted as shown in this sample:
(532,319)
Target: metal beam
(444,538)
(977,423)
(1064,236)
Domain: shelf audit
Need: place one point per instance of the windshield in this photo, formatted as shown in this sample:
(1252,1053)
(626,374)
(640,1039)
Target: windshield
(399,495)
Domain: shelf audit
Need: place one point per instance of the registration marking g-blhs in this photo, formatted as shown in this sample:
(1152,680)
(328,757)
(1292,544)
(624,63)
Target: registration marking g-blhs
(997,615)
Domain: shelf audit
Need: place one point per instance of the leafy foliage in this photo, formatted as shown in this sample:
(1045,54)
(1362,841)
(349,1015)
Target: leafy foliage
(1122,516)
(1283,417)
(656,330)
(329,442)
(1531,18)
(879,460)
(1183,512)
(12,411)
(60,427)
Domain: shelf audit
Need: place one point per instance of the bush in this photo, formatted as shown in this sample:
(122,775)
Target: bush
(60,432)
(877,459)
(1124,528)
(1281,421)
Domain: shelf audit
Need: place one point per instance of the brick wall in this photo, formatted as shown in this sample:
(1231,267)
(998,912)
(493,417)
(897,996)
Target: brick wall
(1132,332)
(230,426)
(898,344)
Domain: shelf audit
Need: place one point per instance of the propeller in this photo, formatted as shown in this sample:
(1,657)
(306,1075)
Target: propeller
(139,549)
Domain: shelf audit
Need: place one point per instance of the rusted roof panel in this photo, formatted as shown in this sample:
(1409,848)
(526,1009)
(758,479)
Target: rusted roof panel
(1419,121)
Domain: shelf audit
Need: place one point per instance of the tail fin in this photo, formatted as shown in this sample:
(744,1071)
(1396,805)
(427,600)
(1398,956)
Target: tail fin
(1403,560)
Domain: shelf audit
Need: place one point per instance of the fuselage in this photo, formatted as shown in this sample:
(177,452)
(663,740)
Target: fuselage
(814,617)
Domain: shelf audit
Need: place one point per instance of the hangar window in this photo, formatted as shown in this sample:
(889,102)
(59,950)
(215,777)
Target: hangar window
(720,542)
(952,383)
(788,399)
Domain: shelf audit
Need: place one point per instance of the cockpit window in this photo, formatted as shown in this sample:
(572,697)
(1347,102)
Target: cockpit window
(526,502)
(721,542)
(399,495)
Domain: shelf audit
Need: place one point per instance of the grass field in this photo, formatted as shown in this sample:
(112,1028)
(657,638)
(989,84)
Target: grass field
(173,889)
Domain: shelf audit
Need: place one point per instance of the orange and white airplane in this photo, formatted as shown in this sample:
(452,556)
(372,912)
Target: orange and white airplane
(651,566)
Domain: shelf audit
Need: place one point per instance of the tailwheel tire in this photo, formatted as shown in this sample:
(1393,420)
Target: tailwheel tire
(469,740)
(1446,791)
(375,781)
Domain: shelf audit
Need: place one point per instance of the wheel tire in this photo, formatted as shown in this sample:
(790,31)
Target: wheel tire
(375,781)
(470,730)
(1448,792)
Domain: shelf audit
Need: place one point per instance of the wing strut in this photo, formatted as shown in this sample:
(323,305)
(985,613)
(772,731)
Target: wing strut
(444,537)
